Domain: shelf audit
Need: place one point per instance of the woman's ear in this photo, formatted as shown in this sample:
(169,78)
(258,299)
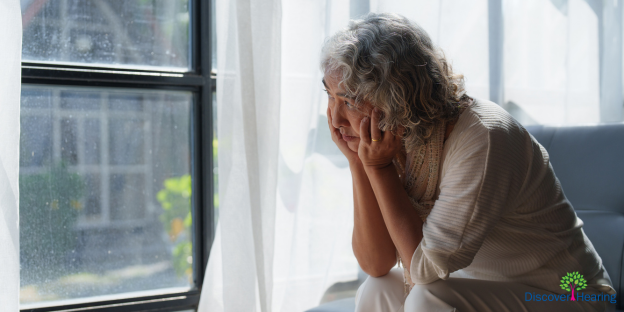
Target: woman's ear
(399,131)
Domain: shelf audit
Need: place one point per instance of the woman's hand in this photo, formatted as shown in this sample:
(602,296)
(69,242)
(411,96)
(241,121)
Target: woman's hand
(352,156)
(377,149)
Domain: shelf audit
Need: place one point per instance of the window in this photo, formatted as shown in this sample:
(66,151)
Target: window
(116,154)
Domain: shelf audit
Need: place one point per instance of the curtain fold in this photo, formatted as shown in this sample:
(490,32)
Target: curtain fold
(248,116)
(10,86)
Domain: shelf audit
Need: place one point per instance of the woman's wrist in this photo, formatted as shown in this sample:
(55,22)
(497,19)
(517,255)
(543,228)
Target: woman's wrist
(375,171)
(356,166)
(355,163)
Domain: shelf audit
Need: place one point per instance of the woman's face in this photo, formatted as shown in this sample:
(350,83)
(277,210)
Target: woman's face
(345,116)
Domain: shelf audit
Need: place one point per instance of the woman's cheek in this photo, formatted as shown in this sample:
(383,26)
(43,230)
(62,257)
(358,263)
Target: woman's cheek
(355,119)
(353,145)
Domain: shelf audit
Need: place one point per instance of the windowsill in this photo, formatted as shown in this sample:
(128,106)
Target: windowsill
(128,295)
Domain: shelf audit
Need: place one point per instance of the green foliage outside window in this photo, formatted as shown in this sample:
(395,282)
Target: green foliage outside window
(175,199)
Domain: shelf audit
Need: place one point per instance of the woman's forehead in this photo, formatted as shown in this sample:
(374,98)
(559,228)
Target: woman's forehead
(332,83)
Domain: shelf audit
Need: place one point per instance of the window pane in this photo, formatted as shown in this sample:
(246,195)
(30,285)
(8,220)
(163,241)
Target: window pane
(129,33)
(105,192)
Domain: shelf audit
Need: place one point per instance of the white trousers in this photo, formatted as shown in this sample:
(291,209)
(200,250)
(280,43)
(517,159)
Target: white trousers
(386,293)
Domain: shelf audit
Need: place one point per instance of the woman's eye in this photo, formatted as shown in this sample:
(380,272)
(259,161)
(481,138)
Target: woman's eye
(349,105)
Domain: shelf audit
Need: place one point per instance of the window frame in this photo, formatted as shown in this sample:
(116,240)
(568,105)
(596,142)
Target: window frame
(201,81)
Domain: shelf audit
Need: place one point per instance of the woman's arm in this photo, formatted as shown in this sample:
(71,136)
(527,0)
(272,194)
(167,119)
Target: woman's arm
(401,219)
(372,244)
(403,223)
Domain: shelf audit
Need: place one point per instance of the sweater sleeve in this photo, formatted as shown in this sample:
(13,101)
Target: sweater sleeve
(474,188)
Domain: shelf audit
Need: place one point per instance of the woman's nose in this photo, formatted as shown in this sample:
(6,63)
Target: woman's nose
(338,119)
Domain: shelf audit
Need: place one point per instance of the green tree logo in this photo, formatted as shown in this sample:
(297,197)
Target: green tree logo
(573,281)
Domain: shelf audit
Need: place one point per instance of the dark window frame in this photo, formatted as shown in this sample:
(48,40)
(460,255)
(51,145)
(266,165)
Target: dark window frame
(202,82)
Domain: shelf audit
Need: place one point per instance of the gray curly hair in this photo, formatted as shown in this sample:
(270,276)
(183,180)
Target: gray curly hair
(391,63)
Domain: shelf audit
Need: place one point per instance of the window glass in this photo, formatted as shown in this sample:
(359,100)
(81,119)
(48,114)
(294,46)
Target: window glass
(105,192)
(130,33)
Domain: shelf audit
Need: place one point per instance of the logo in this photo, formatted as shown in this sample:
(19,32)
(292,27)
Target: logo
(573,281)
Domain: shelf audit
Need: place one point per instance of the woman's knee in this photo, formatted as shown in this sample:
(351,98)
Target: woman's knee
(426,298)
(385,293)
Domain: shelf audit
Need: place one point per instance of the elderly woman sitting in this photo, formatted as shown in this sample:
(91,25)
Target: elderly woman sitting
(450,186)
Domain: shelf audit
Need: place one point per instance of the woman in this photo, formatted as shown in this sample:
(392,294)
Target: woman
(451,187)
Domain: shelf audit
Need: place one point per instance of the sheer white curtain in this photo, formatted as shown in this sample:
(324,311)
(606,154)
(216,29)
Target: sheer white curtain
(563,60)
(285,190)
(286,210)
(10,85)
(240,271)
(552,62)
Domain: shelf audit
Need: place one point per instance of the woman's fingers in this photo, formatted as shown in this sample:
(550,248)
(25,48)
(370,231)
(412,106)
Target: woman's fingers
(365,130)
(375,131)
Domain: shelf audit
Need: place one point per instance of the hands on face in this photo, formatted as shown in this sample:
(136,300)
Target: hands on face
(375,154)
(377,149)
